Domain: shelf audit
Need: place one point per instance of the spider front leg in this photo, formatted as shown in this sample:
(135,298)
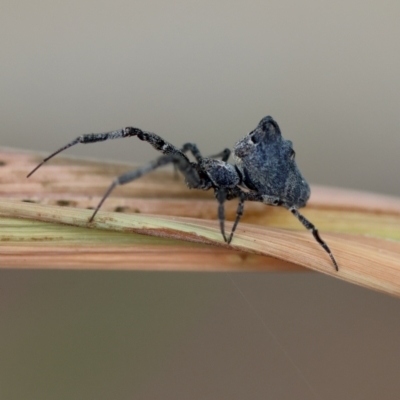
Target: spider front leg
(156,141)
(222,195)
(192,147)
(239,213)
(195,152)
(224,155)
(91,138)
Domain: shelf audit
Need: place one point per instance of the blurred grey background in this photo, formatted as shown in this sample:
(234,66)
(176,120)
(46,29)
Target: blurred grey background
(206,72)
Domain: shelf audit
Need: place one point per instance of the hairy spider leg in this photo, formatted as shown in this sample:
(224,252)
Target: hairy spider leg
(91,138)
(220,195)
(224,155)
(310,227)
(192,147)
(182,163)
(156,141)
(239,213)
(74,142)
(274,201)
(195,152)
(243,196)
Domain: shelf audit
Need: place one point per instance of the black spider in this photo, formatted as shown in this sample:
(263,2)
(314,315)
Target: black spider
(265,168)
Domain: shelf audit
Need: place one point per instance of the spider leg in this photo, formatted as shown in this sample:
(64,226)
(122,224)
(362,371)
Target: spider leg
(239,213)
(156,141)
(91,138)
(182,164)
(276,201)
(195,152)
(224,155)
(243,196)
(221,196)
(310,227)
(192,147)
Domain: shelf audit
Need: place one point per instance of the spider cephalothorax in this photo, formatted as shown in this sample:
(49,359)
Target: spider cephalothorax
(265,171)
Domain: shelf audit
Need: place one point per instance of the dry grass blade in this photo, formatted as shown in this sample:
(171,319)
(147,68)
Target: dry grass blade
(362,230)
(31,237)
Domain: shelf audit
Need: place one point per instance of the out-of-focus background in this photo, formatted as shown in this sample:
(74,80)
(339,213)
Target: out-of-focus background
(204,72)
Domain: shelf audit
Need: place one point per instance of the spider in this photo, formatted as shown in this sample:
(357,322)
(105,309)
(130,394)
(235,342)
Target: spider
(265,171)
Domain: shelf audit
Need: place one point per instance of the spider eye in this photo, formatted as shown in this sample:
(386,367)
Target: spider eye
(292,154)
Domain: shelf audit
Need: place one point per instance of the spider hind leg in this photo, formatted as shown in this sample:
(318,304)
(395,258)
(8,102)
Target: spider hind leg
(310,227)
